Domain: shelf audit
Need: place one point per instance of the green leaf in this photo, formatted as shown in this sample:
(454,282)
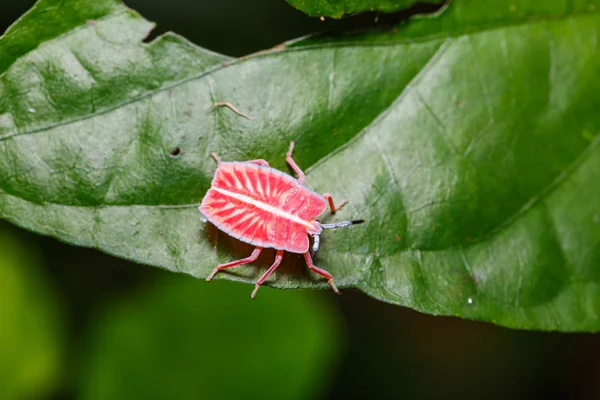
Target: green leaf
(338,8)
(44,23)
(183,339)
(31,334)
(468,142)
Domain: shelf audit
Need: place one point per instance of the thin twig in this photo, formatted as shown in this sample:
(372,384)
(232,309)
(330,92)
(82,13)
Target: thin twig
(231,106)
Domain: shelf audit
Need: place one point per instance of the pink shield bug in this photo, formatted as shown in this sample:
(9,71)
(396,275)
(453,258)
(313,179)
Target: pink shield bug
(265,207)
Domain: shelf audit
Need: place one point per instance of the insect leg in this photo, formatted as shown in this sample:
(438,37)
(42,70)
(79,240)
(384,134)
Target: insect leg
(278,257)
(320,271)
(292,163)
(260,161)
(215,157)
(332,207)
(235,263)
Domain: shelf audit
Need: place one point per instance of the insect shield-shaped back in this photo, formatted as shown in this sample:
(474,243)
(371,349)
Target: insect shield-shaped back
(262,206)
(267,208)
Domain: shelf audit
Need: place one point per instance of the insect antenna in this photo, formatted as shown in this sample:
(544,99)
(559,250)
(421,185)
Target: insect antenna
(342,224)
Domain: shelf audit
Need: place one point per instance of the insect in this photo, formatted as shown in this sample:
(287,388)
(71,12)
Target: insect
(267,208)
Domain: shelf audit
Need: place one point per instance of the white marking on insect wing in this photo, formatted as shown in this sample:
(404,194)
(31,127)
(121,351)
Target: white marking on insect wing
(225,176)
(275,189)
(251,230)
(259,187)
(255,220)
(265,207)
(268,188)
(226,207)
(248,181)
(243,219)
(236,179)
(233,214)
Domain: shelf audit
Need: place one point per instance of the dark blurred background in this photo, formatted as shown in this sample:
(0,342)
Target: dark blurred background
(76,323)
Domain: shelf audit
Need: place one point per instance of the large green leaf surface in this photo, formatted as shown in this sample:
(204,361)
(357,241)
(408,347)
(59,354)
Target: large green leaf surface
(468,143)
(338,8)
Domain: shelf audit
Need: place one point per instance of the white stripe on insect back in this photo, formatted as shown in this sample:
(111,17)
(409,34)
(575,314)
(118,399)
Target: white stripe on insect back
(266,207)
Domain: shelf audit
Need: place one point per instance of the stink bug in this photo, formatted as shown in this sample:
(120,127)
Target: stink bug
(265,207)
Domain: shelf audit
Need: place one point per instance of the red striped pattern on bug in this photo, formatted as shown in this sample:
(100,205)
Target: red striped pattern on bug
(265,207)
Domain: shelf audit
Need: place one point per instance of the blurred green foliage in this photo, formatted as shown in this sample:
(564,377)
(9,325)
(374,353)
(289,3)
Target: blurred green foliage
(32,334)
(185,339)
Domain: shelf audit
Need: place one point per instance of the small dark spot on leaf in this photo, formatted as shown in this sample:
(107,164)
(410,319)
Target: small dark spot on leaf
(225,63)
(187,113)
(92,22)
(175,152)
(170,92)
(397,238)
(460,103)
